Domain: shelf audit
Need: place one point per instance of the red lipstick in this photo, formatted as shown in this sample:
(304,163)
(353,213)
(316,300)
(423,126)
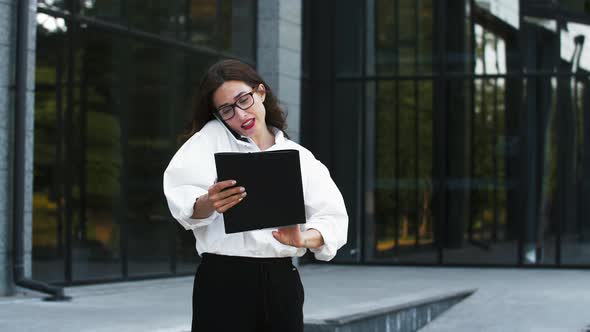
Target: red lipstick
(248,124)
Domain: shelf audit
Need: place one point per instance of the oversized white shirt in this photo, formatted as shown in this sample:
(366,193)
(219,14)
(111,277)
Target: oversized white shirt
(192,171)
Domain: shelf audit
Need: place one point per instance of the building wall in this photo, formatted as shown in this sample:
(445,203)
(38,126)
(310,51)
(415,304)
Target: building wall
(29,139)
(7,46)
(8,32)
(279,55)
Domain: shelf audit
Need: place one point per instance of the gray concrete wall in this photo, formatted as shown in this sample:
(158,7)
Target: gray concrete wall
(30,138)
(8,13)
(7,46)
(279,55)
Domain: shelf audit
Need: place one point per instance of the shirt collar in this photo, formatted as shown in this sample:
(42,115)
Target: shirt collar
(279,135)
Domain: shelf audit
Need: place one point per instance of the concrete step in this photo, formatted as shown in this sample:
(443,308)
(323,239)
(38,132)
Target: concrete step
(401,314)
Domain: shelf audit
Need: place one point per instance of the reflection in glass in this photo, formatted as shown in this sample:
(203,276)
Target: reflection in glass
(506,11)
(425,151)
(107,114)
(223,25)
(575,226)
(404,37)
(158,17)
(489,145)
(154,75)
(348,17)
(52,4)
(539,223)
(48,24)
(404,227)
(576,6)
(108,10)
(97,145)
(185,252)
(486,235)
(49,247)
(490,52)
(574,40)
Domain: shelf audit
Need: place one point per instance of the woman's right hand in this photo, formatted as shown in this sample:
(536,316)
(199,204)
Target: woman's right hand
(218,199)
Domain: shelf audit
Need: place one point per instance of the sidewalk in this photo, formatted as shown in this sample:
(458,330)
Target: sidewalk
(505,300)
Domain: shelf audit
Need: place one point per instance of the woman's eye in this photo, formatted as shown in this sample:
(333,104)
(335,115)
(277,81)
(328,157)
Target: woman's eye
(243,100)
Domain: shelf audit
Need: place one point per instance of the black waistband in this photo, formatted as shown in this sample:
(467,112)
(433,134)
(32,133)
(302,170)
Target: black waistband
(208,257)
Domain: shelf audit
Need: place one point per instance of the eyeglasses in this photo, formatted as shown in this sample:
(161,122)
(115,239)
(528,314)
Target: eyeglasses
(244,102)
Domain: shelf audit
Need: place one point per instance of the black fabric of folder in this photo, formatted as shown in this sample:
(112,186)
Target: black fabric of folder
(273,185)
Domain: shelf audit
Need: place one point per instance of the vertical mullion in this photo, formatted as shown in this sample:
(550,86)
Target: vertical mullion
(188,21)
(68,169)
(360,233)
(473,122)
(81,234)
(58,179)
(585,141)
(556,59)
(441,126)
(174,92)
(521,39)
(416,127)
(368,221)
(581,151)
(484,127)
(396,144)
(218,19)
(124,183)
(495,171)
(332,88)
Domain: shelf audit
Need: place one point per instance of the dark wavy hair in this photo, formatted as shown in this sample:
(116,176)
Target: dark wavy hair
(216,75)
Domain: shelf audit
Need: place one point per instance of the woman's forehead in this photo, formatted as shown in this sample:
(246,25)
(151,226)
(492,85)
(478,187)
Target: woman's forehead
(227,92)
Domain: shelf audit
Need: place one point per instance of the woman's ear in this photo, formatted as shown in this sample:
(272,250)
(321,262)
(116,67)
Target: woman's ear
(262,91)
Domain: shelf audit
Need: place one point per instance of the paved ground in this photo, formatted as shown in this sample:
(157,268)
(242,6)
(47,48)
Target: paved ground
(505,300)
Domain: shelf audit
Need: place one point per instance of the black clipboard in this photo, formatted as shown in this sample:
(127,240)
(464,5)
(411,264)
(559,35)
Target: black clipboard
(274,189)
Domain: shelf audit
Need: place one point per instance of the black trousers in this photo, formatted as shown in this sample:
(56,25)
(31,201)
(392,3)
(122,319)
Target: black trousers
(247,294)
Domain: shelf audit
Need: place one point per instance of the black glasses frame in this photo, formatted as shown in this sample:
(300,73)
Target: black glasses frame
(235,104)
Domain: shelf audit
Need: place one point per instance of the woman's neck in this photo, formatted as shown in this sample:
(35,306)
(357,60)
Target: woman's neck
(264,140)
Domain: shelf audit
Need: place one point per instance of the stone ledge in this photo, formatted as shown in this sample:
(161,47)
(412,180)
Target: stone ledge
(405,316)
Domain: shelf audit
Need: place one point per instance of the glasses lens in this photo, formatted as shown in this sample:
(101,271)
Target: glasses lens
(245,101)
(226,112)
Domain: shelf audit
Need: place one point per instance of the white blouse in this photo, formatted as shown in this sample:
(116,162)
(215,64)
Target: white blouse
(192,171)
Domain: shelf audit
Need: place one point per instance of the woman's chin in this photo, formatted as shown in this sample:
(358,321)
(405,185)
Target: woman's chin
(248,132)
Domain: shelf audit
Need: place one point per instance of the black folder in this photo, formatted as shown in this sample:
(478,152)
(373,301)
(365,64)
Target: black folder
(273,185)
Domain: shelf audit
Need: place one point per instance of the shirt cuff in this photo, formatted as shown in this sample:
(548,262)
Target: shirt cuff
(190,223)
(327,251)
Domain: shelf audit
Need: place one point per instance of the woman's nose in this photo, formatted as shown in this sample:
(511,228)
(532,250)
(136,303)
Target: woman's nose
(240,112)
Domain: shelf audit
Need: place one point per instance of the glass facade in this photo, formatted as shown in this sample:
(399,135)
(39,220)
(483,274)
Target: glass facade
(114,82)
(455,129)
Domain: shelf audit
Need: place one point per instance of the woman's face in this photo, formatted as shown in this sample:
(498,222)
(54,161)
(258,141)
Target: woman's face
(249,122)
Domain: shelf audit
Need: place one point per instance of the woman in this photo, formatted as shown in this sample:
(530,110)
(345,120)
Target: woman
(246,281)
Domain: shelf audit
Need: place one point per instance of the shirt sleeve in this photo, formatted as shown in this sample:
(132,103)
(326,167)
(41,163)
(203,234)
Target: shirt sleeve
(325,210)
(188,176)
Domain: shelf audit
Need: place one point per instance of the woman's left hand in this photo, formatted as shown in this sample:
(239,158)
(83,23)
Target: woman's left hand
(293,236)
(290,236)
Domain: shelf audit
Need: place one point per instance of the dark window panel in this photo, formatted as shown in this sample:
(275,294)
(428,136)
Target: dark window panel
(403,37)
(404,225)
(225,25)
(575,227)
(98,189)
(111,107)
